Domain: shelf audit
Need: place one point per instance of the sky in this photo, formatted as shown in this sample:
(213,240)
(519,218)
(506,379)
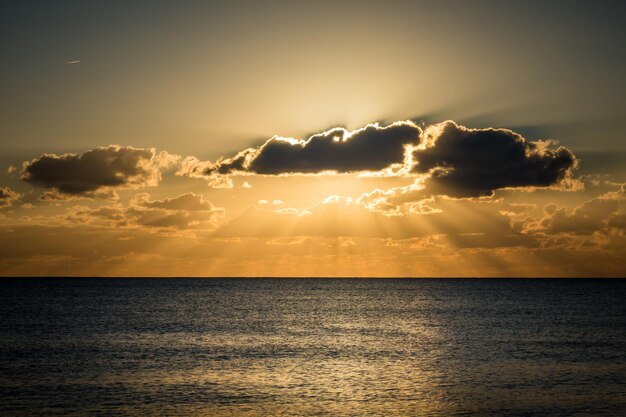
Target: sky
(288,138)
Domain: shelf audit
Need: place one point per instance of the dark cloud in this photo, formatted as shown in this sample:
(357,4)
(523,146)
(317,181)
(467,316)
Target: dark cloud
(464,162)
(97,169)
(453,160)
(8,196)
(459,162)
(371,148)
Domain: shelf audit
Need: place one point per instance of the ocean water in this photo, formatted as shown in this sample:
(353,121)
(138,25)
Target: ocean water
(312,347)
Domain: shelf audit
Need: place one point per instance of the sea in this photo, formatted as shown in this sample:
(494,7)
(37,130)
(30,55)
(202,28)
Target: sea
(324,347)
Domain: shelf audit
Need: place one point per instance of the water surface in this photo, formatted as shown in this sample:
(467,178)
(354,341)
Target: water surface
(312,346)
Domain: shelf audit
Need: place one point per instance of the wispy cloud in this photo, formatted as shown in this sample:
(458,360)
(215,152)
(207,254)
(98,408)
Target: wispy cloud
(8,196)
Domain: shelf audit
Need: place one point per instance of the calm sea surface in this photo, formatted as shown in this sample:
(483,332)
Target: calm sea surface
(312,346)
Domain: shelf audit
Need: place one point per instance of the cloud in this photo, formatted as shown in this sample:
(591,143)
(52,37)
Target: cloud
(449,159)
(600,214)
(8,196)
(56,196)
(186,211)
(370,148)
(187,201)
(462,162)
(97,170)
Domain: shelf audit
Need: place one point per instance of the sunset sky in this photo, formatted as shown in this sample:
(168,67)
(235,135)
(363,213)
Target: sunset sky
(287,138)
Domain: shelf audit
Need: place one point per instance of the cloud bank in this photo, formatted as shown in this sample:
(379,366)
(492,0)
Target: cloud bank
(97,170)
